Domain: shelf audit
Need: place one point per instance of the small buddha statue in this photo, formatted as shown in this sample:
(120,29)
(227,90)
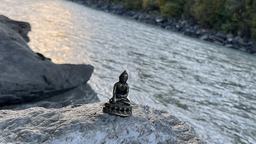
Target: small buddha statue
(119,104)
(121,90)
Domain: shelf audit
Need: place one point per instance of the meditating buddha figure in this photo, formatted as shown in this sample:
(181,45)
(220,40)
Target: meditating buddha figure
(119,104)
(121,90)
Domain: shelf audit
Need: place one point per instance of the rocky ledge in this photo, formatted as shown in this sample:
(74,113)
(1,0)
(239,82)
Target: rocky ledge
(88,124)
(27,76)
(177,25)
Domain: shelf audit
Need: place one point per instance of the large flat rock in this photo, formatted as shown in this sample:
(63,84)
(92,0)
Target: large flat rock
(26,76)
(88,124)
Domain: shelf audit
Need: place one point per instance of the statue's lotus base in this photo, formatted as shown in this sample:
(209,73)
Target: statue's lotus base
(117,109)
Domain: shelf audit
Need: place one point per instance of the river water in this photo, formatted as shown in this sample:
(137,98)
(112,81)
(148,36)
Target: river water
(208,86)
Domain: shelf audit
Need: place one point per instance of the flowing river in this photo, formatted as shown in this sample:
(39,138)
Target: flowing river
(210,87)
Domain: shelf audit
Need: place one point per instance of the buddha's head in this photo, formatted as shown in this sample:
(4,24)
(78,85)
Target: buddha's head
(123,77)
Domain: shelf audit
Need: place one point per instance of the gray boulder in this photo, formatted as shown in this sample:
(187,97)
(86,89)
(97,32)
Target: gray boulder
(159,19)
(216,39)
(229,45)
(26,76)
(221,35)
(88,124)
(204,37)
(230,37)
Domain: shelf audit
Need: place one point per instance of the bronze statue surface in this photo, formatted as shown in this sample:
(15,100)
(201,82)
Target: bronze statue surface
(119,104)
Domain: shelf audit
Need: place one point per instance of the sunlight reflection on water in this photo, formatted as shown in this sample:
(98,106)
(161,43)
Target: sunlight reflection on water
(209,87)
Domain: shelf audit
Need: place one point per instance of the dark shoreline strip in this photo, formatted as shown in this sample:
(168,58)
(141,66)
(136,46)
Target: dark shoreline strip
(176,25)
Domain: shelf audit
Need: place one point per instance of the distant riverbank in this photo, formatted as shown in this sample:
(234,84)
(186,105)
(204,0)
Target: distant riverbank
(174,24)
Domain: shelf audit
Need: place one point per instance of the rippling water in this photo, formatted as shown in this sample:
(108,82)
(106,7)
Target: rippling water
(210,87)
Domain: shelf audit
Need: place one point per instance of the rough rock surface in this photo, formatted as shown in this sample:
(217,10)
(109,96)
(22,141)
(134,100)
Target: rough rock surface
(88,124)
(26,76)
(20,27)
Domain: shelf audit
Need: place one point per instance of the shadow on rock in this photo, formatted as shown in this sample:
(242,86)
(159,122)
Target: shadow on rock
(83,94)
